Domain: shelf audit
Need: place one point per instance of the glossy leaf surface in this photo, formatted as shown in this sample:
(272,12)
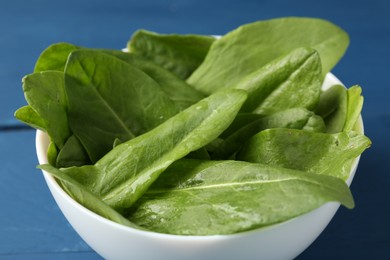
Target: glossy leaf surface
(126,172)
(223,197)
(319,153)
(239,132)
(251,46)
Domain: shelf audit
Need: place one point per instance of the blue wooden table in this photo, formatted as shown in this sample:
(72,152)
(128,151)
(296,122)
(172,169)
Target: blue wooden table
(31,225)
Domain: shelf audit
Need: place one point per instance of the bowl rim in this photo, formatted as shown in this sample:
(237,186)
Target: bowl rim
(42,143)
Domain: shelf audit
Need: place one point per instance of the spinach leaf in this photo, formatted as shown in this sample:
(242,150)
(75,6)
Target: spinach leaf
(320,153)
(178,90)
(223,197)
(111,99)
(355,105)
(29,116)
(72,154)
(180,54)
(295,118)
(293,80)
(340,107)
(251,46)
(333,108)
(126,172)
(45,94)
(134,142)
(54,57)
(86,198)
(52,153)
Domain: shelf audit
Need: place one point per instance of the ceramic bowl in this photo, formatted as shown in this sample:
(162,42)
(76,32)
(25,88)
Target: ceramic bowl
(114,241)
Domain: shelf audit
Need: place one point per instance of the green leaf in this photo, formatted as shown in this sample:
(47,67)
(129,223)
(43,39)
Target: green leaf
(251,46)
(86,198)
(238,133)
(52,153)
(45,94)
(111,99)
(29,116)
(178,90)
(125,128)
(333,108)
(126,172)
(54,57)
(355,105)
(224,197)
(293,80)
(180,54)
(72,154)
(319,153)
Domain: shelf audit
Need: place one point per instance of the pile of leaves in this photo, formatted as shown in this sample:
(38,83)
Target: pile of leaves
(199,135)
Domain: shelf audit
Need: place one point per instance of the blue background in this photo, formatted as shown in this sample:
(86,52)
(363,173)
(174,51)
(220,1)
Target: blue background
(31,225)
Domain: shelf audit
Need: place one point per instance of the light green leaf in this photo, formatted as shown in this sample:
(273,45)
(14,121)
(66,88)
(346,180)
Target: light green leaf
(251,46)
(320,153)
(355,105)
(52,153)
(333,108)
(45,94)
(127,171)
(86,198)
(238,133)
(224,197)
(293,80)
(54,57)
(29,116)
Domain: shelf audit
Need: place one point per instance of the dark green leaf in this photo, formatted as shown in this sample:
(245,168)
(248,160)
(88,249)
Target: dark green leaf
(56,55)
(178,90)
(181,54)
(111,99)
(72,154)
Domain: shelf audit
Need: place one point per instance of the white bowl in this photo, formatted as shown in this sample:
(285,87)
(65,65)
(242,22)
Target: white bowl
(114,241)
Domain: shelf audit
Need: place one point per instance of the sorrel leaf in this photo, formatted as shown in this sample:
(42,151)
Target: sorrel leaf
(251,46)
(239,132)
(333,108)
(45,94)
(180,54)
(293,80)
(86,198)
(223,197)
(320,153)
(99,106)
(126,172)
(54,57)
